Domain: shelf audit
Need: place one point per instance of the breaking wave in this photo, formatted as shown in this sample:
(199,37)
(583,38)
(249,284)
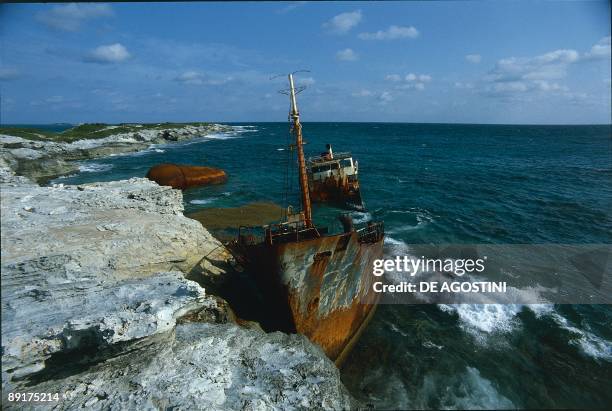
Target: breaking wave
(203,201)
(464,390)
(485,318)
(245,129)
(94,168)
(588,343)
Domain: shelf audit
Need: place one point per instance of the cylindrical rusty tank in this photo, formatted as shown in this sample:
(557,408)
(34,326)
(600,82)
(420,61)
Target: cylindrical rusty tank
(183,176)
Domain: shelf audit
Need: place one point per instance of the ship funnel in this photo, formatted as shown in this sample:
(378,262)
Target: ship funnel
(347,222)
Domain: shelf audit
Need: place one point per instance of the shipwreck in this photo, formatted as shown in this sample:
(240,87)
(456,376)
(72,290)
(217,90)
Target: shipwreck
(318,283)
(333,178)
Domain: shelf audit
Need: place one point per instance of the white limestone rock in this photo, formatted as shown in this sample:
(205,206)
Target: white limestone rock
(93,287)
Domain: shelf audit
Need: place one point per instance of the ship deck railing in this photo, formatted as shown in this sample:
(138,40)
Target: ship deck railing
(278,233)
(288,232)
(372,232)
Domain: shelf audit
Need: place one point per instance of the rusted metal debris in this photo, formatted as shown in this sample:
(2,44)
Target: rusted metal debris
(182,177)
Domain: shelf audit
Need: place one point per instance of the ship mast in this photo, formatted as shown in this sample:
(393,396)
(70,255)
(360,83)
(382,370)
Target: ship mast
(297,129)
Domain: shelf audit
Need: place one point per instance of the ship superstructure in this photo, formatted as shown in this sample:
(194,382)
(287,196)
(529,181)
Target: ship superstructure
(333,178)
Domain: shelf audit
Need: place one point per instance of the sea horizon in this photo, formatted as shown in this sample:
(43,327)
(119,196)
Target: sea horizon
(312,122)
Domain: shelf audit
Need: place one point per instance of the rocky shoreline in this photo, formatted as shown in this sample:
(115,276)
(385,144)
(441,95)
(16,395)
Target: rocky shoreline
(43,160)
(103,302)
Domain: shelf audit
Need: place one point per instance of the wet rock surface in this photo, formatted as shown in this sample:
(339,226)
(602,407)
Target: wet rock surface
(99,304)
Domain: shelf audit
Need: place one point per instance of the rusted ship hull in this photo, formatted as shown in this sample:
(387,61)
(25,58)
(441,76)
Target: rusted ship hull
(321,287)
(337,191)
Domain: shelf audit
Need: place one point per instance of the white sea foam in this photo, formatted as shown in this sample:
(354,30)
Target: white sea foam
(429,344)
(588,343)
(203,201)
(422,217)
(222,136)
(499,317)
(466,390)
(394,247)
(94,168)
(474,392)
(396,329)
(67,176)
(485,318)
(360,217)
(245,129)
(541,310)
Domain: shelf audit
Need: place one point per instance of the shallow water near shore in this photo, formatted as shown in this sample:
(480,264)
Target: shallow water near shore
(433,184)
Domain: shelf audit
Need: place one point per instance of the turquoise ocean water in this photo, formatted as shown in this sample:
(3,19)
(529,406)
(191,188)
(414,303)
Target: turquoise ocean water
(439,183)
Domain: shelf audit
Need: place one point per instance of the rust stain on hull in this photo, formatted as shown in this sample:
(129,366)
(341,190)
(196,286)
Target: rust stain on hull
(322,287)
(339,191)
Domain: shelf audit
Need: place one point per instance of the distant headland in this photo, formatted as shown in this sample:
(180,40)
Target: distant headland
(42,154)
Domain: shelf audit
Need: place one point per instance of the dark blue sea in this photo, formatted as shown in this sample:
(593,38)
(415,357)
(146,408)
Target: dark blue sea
(443,183)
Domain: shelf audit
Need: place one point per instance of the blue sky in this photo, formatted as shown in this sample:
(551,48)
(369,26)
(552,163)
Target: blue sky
(528,62)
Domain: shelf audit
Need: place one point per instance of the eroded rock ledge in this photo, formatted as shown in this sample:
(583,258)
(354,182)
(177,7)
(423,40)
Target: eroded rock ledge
(96,306)
(43,160)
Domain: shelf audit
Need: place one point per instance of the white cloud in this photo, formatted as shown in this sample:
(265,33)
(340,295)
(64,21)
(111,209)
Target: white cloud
(412,86)
(362,93)
(415,81)
(393,77)
(473,58)
(69,17)
(392,33)
(112,53)
(515,75)
(409,81)
(558,56)
(305,81)
(510,86)
(343,22)
(385,97)
(518,75)
(197,78)
(601,50)
(462,85)
(191,77)
(548,66)
(546,86)
(8,73)
(291,6)
(347,55)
